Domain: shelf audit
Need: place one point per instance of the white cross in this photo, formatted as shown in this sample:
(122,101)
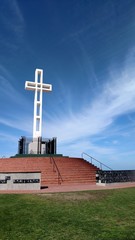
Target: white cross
(39,87)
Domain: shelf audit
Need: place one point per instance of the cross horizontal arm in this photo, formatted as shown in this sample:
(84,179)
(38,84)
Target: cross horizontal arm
(30,85)
(39,86)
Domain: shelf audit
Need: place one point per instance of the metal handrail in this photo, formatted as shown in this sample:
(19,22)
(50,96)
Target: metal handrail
(56,167)
(101,164)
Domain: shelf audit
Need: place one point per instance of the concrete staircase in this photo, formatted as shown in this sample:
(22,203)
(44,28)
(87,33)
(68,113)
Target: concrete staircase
(56,170)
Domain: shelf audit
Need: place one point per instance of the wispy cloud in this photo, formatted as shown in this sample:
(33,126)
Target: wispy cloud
(116,99)
(16,10)
(9,90)
(84,145)
(14,113)
(12,21)
(7,138)
(18,123)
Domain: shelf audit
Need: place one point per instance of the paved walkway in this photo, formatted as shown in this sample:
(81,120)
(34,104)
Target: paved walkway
(72,188)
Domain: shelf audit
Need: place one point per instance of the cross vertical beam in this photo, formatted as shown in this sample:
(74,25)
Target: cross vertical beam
(39,87)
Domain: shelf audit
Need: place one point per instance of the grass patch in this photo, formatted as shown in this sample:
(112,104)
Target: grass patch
(89,215)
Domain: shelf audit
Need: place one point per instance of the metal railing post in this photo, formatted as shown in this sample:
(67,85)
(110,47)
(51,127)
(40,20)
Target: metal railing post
(55,167)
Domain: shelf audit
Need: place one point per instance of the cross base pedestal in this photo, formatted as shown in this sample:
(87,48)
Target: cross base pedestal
(37,146)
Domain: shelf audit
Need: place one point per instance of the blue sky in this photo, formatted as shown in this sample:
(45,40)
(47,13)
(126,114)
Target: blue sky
(87,52)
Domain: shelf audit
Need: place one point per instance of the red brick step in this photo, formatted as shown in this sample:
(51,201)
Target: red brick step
(71,170)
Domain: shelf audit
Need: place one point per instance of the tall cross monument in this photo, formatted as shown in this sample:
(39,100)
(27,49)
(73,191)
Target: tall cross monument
(39,87)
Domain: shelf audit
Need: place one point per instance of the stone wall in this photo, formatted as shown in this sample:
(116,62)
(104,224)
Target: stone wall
(20,181)
(115,176)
